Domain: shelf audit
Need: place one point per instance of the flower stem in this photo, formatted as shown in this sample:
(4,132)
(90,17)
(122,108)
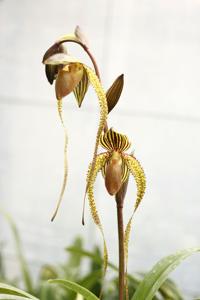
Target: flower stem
(121,249)
(119,198)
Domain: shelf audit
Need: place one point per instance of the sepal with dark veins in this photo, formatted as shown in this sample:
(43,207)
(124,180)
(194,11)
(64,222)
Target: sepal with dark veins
(81,89)
(114,141)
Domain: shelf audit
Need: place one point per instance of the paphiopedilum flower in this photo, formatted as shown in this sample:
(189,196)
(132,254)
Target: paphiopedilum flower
(116,166)
(72,75)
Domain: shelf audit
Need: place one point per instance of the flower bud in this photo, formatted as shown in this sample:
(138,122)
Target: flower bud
(113,173)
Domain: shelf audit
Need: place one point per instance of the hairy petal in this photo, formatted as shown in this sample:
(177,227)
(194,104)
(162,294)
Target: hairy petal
(92,174)
(137,171)
(59,103)
(103,112)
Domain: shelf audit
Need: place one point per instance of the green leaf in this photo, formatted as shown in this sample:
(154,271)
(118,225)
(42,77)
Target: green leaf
(114,92)
(76,288)
(169,290)
(98,260)
(159,273)
(23,264)
(6,289)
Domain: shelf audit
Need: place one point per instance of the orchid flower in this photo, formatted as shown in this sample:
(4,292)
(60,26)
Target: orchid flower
(116,166)
(71,75)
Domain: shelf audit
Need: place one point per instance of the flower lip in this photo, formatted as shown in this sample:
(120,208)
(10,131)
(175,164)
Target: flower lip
(61,59)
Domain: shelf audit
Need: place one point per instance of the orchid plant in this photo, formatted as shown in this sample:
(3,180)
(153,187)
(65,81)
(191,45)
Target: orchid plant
(70,75)
(115,163)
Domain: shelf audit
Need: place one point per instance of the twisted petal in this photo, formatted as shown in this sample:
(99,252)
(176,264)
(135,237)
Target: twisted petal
(137,171)
(103,111)
(59,103)
(113,141)
(99,163)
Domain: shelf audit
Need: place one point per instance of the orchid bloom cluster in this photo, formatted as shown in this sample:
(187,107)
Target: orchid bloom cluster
(72,75)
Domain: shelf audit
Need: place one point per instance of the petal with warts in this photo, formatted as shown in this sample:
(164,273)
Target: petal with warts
(137,171)
(92,174)
(93,79)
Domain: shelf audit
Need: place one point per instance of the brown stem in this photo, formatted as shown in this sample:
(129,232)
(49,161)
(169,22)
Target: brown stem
(119,198)
(119,203)
(121,249)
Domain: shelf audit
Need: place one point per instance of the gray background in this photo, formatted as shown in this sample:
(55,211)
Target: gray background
(156,44)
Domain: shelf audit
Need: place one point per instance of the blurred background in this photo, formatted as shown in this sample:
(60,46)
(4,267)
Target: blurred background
(156,44)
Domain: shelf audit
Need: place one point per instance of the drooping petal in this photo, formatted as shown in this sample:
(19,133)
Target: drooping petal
(99,163)
(68,78)
(114,141)
(81,89)
(93,79)
(137,171)
(59,103)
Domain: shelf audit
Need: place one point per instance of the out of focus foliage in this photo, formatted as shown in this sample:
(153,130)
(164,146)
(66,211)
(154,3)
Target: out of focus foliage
(81,266)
